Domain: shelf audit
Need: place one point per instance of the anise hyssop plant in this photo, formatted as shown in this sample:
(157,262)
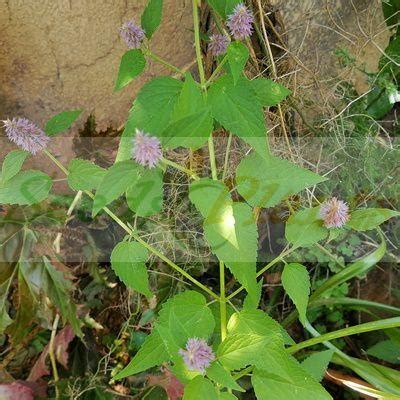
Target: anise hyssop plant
(199,335)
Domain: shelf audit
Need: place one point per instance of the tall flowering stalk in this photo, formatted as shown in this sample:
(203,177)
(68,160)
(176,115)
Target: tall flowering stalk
(240,22)
(26,134)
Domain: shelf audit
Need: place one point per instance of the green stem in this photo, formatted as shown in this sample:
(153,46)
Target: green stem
(55,161)
(222,300)
(174,266)
(212,158)
(353,330)
(216,72)
(228,148)
(134,235)
(163,62)
(180,168)
(199,57)
(52,354)
(268,266)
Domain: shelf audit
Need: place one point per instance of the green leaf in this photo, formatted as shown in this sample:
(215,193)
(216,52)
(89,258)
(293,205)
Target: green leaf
(238,55)
(153,352)
(383,378)
(128,262)
(237,108)
(200,388)
(25,188)
(184,316)
(268,92)
(378,104)
(256,322)
(84,175)
(317,364)
(386,350)
(305,228)
(281,377)
(370,218)
(145,197)
(5,319)
(58,289)
(226,396)
(240,350)
(391,13)
(12,164)
(296,282)
(220,375)
(132,64)
(151,17)
(230,5)
(358,268)
(118,178)
(265,181)
(151,111)
(191,122)
(218,6)
(230,229)
(61,122)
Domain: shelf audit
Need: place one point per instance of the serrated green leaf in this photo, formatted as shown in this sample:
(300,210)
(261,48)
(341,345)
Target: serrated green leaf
(151,112)
(256,322)
(151,17)
(268,92)
(25,188)
(58,289)
(84,175)
(12,164)
(370,218)
(191,122)
(220,375)
(281,377)
(296,282)
(132,64)
(61,122)
(229,228)
(237,55)
(305,228)
(240,350)
(184,316)
(265,181)
(118,178)
(128,262)
(145,197)
(252,300)
(200,388)
(237,108)
(317,363)
(150,354)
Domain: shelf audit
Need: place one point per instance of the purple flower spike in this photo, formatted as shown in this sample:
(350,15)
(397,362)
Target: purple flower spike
(146,149)
(218,44)
(132,34)
(198,355)
(334,212)
(240,22)
(26,134)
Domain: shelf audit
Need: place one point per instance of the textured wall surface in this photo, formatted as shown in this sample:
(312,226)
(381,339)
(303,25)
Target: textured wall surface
(64,54)
(314,29)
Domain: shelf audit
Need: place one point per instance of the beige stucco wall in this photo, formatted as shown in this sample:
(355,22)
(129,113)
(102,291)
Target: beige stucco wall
(64,54)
